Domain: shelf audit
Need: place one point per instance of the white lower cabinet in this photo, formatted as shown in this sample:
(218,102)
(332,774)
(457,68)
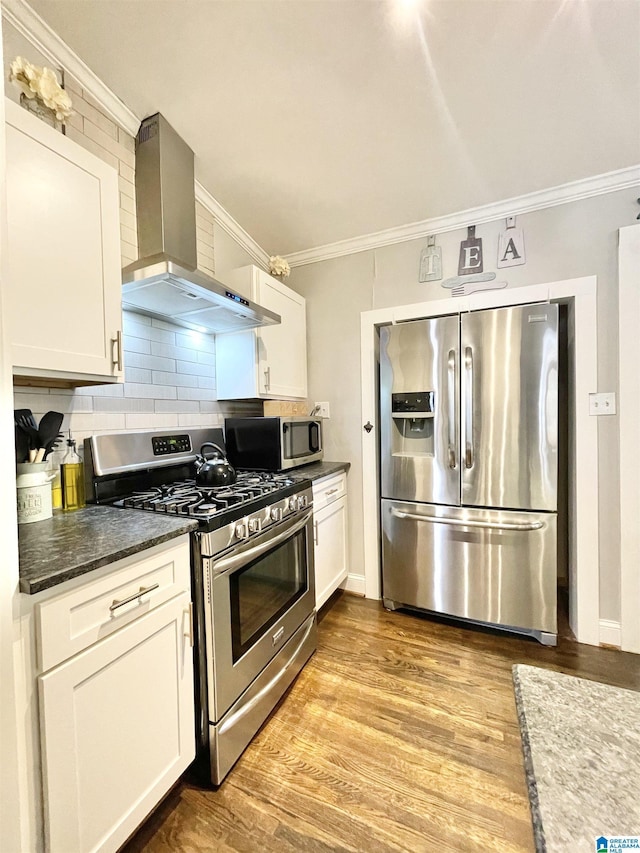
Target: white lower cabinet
(117,723)
(330,535)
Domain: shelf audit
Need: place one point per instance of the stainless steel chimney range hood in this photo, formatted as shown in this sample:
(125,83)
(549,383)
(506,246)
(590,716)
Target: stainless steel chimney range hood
(164,282)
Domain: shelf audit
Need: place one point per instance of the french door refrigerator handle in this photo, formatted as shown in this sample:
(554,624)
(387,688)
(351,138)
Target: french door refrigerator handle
(453,420)
(458,522)
(468,408)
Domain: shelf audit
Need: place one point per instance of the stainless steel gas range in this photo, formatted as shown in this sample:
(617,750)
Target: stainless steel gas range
(252,576)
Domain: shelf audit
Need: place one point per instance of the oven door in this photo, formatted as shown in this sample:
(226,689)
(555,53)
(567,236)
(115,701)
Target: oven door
(259,595)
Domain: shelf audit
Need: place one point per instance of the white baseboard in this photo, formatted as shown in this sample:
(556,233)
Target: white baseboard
(355,583)
(610,633)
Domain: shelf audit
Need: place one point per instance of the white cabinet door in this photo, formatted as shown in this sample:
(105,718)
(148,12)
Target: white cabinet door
(62,295)
(330,552)
(270,362)
(282,349)
(117,725)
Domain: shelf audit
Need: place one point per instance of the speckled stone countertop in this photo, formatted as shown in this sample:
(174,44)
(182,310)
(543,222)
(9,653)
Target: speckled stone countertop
(317,470)
(73,543)
(581,745)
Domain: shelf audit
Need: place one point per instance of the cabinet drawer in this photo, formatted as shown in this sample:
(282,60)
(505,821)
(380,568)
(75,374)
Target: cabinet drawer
(329,489)
(68,623)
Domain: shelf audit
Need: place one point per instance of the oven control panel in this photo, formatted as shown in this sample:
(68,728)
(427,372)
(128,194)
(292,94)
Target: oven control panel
(165,445)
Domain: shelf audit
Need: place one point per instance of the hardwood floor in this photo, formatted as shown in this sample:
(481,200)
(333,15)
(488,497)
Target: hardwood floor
(399,735)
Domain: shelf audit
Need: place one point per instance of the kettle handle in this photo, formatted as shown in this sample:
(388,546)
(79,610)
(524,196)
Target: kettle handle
(219,450)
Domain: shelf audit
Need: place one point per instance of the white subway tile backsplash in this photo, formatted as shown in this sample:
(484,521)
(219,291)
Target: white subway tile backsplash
(194,368)
(177,406)
(207,358)
(176,379)
(97,422)
(172,351)
(136,374)
(199,420)
(115,390)
(137,345)
(127,404)
(131,320)
(195,340)
(196,394)
(151,421)
(149,362)
(127,172)
(150,391)
(206,382)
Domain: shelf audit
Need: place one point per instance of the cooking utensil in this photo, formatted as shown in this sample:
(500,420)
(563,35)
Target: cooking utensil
(466,289)
(22,444)
(214,471)
(28,426)
(52,444)
(49,429)
(455,280)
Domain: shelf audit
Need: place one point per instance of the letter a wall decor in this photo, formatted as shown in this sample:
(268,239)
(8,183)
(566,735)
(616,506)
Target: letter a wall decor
(511,245)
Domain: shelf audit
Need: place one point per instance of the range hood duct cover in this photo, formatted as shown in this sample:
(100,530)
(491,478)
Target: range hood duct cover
(164,282)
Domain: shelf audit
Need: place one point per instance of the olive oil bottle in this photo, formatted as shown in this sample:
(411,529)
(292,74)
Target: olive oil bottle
(72,475)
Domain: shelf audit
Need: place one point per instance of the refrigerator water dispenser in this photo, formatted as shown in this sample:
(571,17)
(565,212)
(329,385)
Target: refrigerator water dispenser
(412,416)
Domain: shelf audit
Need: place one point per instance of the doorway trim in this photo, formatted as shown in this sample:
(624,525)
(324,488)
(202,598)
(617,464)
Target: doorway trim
(629,317)
(581,294)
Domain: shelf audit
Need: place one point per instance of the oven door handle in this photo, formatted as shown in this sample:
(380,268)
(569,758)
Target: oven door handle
(236,561)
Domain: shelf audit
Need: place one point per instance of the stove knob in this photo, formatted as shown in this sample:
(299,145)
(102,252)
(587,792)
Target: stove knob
(303,501)
(255,525)
(292,504)
(241,530)
(276,513)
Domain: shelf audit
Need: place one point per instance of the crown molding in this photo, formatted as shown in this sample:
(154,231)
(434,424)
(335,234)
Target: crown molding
(39,33)
(563,194)
(233,228)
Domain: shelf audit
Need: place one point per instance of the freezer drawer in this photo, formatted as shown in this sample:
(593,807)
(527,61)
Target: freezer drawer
(491,566)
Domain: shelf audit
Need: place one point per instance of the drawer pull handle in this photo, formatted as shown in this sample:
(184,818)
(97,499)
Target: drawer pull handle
(331,492)
(189,633)
(142,591)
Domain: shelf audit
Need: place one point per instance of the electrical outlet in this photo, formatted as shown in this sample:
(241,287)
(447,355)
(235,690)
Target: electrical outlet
(323,410)
(603,403)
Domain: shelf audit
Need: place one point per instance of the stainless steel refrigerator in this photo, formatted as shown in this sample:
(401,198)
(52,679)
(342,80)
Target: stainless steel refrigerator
(469,467)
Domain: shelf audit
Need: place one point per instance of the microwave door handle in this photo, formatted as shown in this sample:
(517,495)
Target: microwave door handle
(237,561)
(314,437)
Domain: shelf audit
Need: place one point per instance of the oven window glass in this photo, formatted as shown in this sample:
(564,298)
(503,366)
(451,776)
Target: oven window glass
(301,439)
(265,589)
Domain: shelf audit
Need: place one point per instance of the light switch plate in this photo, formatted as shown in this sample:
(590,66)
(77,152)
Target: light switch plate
(602,403)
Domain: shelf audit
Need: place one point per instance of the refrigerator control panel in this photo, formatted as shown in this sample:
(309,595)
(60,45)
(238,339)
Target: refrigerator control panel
(418,404)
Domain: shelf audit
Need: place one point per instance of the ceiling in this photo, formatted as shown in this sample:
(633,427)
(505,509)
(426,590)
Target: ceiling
(314,121)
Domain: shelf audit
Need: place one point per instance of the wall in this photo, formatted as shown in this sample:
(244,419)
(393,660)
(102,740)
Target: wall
(568,241)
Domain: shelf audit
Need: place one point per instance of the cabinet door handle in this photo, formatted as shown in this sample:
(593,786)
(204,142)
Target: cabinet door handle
(315,532)
(142,591)
(267,379)
(116,351)
(189,613)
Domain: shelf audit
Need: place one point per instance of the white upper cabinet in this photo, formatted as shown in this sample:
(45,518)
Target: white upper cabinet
(62,294)
(267,363)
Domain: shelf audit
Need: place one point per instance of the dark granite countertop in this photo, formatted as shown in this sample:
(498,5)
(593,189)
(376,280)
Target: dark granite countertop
(317,470)
(73,543)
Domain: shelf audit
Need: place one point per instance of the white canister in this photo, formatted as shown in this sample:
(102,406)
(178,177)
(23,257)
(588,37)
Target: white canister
(33,483)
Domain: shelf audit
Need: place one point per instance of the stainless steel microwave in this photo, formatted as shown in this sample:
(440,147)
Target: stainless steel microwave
(273,444)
